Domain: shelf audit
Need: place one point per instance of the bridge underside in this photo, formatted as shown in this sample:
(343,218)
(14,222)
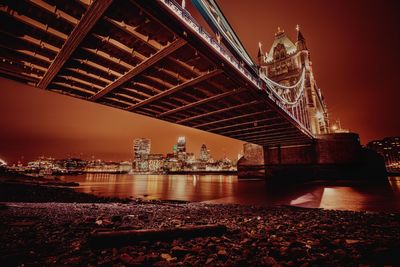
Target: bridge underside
(135,56)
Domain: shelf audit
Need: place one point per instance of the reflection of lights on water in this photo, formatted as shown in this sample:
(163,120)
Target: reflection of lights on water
(101,177)
(2,162)
(303,199)
(342,198)
(195,180)
(180,187)
(395,184)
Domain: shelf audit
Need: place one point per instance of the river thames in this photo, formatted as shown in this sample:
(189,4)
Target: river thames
(228,189)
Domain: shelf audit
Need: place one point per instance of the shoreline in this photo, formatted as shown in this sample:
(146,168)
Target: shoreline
(45,232)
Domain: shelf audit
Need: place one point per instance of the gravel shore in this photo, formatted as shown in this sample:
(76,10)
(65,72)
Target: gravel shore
(58,234)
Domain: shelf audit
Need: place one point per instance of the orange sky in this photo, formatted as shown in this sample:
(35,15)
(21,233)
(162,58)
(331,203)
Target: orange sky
(355,55)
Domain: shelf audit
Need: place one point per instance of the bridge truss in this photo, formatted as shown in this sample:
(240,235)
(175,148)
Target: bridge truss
(151,58)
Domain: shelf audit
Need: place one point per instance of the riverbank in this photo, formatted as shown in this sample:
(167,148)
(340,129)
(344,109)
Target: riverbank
(60,233)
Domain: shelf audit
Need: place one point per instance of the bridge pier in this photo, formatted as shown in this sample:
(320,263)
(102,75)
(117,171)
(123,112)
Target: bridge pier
(338,156)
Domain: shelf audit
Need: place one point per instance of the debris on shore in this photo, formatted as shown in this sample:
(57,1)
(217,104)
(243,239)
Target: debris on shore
(61,234)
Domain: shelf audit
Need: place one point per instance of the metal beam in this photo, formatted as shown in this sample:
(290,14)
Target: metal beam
(176,89)
(267,133)
(279,130)
(108,57)
(243,123)
(132,31)
(135,91)
(282,142)
(33,23)
(55,11)
(141,67)
(275,141)
(74,87)
(185,65)
(204,101)
(255,102)
(89,75)
(98,67)
(229,119)
(247,129)
(275,137)
(286,142)
(89,19)
(290,141)
(121,47)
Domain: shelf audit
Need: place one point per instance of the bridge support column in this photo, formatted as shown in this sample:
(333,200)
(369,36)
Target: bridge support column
(332,156)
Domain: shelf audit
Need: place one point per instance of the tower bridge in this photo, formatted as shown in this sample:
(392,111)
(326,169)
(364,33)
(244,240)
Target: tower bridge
(153,58)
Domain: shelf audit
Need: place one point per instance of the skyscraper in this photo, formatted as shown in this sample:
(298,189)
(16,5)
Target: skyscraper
(204,153)
(141,151)
(181,145)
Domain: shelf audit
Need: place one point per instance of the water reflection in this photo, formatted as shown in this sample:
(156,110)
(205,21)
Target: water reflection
(228,189)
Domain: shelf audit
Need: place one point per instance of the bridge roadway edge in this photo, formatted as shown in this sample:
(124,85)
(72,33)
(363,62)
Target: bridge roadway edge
(192,38)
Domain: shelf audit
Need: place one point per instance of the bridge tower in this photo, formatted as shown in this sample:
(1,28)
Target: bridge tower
(284,64)
(328,155)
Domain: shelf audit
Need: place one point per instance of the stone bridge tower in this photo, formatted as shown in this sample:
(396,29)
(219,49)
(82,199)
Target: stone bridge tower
(284,64)
(329,155)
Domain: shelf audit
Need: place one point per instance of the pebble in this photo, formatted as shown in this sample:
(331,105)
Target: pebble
(274,236)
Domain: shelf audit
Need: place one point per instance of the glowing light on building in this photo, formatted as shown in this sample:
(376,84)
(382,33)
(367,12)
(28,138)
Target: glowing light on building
(141,151)
(2,162)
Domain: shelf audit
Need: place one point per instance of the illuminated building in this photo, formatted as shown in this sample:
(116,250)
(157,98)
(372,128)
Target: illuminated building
(181,145)
(141,151)
(389,148)
(284,64)
(156,163)
(204,153)
(125,167)
(181,148)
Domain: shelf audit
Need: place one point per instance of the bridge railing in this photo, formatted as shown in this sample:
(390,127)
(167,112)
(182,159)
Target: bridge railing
(187,18)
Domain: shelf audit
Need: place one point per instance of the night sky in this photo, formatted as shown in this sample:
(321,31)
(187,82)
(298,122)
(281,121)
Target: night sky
(355,53)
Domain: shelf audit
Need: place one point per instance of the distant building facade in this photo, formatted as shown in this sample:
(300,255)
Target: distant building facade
(284,64)
(141,151)
(204,153)
(389,148)
(156,163)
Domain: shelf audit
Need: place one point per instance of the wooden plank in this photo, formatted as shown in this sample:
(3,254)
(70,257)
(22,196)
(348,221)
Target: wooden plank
(89,19)
(141,67)
(124,237)
(176,89)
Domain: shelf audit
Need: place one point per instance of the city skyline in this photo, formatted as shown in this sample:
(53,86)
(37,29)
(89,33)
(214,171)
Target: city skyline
(198,153)
(74,126)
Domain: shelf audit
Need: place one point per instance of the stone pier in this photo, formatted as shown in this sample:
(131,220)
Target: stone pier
(338,156)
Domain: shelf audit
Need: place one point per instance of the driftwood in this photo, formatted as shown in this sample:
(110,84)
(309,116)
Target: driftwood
(118,238)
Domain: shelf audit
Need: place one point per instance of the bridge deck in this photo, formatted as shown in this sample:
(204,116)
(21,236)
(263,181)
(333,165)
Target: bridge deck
(139,56)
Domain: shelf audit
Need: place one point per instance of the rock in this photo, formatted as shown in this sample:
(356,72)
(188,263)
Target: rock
(352,241)
(178,251)
(116,218)
(209,261)
(222,254)
(167,257)
(126,258)
(72,261)
(296,244)
(269,261)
